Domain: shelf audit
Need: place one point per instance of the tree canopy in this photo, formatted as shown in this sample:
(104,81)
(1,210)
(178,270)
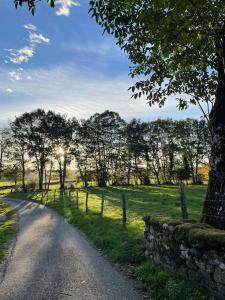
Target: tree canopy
(103,149)
(174,45)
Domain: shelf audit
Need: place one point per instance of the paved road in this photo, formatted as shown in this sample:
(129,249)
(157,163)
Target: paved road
(53,260)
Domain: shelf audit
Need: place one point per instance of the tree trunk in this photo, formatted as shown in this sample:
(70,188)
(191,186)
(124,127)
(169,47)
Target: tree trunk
(45,182)
(64,172)
(171,166)
(1,163)
(23,177)
(41,174)
(60,175)
(214,206)
(129,171)
(50,175)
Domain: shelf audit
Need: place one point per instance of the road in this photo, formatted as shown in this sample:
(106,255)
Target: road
(53,260)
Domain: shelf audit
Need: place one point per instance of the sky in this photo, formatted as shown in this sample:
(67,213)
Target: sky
(59,59)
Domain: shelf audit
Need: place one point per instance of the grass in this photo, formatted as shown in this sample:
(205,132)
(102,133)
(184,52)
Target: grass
(126,245)
(6,183)
(7,228)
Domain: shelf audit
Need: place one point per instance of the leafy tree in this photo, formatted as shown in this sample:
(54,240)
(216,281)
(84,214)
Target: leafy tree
(104,138)
(134,133)
(184,172)
(62,145)
(4,132)
(38,129)
(18,151)
(177,48)
(82,151)
(194,140)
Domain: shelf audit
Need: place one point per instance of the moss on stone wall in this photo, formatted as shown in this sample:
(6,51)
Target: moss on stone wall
(160,220)
(196,251)
(189,230)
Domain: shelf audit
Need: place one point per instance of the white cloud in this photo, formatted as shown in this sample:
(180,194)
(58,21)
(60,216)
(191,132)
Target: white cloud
(65,6)
(30,27)
(22,55)
(38,38)
(19,56)
(102,48)
(16,75)
(78,93)
(8,90)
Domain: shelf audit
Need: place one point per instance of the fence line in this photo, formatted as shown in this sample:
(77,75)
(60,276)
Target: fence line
(67,196)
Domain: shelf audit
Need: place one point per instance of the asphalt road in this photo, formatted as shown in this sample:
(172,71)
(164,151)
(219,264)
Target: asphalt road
(53,260)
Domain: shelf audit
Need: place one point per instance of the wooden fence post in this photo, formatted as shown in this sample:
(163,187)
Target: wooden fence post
(86,202)
(183,205)
(124,208)
(102,204)
(77,199)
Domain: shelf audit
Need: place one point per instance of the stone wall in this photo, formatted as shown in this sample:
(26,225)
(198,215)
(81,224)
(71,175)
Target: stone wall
(194,251)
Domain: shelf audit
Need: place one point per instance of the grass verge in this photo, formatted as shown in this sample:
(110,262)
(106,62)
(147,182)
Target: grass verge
(7,228)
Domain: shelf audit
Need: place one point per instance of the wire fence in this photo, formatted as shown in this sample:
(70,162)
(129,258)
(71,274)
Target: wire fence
(87,202)
(121,205)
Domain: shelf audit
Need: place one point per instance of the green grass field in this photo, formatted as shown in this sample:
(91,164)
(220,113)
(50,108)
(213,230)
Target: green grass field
(126,245)
(7,228)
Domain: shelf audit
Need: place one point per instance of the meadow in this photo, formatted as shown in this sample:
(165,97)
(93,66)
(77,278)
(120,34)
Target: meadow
(125,246)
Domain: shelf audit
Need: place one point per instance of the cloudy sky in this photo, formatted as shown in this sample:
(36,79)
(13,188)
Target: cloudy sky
(60,60)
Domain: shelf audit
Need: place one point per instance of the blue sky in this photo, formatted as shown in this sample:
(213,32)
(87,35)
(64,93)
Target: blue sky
(60,60)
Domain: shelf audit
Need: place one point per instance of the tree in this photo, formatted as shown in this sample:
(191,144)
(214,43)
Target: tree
(38,129)
(103,136)
(18,151)
(194,140)
(62,145)
(82,151)
(134,133)
(3,148)
(177,48)
(184,172)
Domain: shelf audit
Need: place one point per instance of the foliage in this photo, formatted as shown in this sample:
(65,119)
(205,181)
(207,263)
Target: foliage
(7,228)
(184,173)
(105,149)
(39,132)
(31,4)
(173,45)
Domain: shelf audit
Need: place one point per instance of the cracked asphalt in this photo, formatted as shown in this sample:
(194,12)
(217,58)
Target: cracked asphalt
(53,260)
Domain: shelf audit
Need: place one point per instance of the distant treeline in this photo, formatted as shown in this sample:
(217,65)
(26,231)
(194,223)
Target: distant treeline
(105,149)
